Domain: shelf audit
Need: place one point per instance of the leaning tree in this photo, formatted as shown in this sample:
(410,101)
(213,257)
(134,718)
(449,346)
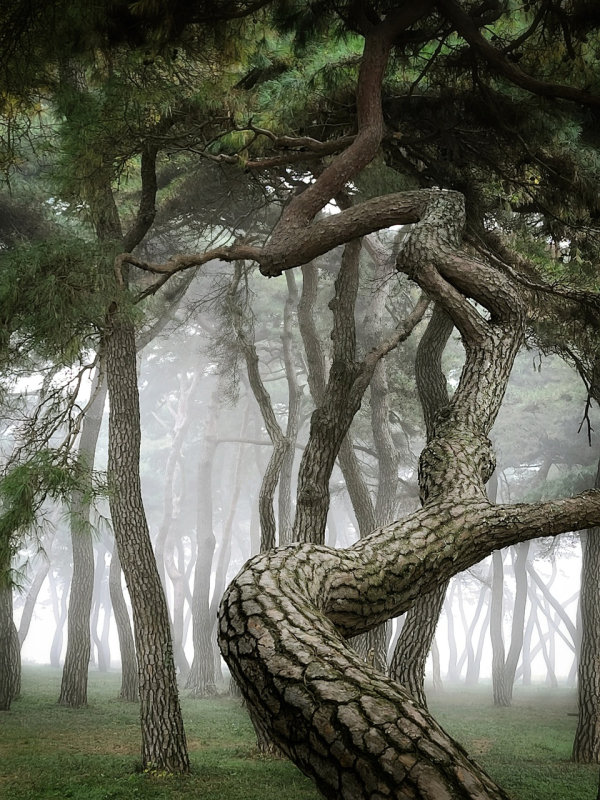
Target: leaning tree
(496,126)
(286,617)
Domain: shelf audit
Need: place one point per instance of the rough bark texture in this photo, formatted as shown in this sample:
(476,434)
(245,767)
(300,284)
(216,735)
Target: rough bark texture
(416,637)
(285,617)
(8,668)
(73,689)
(586,747)
(163,737)
(340,400)
(129,674)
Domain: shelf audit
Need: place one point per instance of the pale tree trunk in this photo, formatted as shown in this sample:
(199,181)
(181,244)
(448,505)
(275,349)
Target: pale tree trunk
(294,397)
(35,586)
(73,690)
(416,637)
(163,738)
(181,424)
(164,544)
(176,570)
(224,555)
(129,674)
(59,607)
(201,678)
(474,658)
(98,601)
(281,445)
(285,617)
(503,671)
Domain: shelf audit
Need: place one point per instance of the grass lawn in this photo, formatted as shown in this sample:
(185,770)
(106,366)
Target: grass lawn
(47,751)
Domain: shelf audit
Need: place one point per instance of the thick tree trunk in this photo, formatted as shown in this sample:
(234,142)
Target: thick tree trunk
(286,616)
(129,674)
(73,690)
(163,738)
(586,747)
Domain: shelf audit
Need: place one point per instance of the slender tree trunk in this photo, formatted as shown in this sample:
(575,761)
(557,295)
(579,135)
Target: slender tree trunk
(163,738)
(73,690)
(500,689)
(294,397)
(35,587)
(98,581)
(60,617)
(129,674)
(201,678)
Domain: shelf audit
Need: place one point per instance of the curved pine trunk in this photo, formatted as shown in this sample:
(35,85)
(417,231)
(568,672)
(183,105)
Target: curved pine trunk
(287,615)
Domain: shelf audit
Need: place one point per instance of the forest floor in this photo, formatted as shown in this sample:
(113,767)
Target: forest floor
(47,751)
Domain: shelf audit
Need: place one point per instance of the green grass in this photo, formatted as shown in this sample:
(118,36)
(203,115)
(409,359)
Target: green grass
(49,753)
(526,748)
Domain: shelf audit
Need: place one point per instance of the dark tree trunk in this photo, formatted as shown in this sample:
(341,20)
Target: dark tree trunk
(129,673)
(10,651)
(73,690)
(163,738)
(586,747)
(414,643)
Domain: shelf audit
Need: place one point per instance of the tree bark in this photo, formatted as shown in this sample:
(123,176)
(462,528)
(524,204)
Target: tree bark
(163,738)
(285,617)
(586,747)
(129,676)
(416,637)
(10,651)
(73,690)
